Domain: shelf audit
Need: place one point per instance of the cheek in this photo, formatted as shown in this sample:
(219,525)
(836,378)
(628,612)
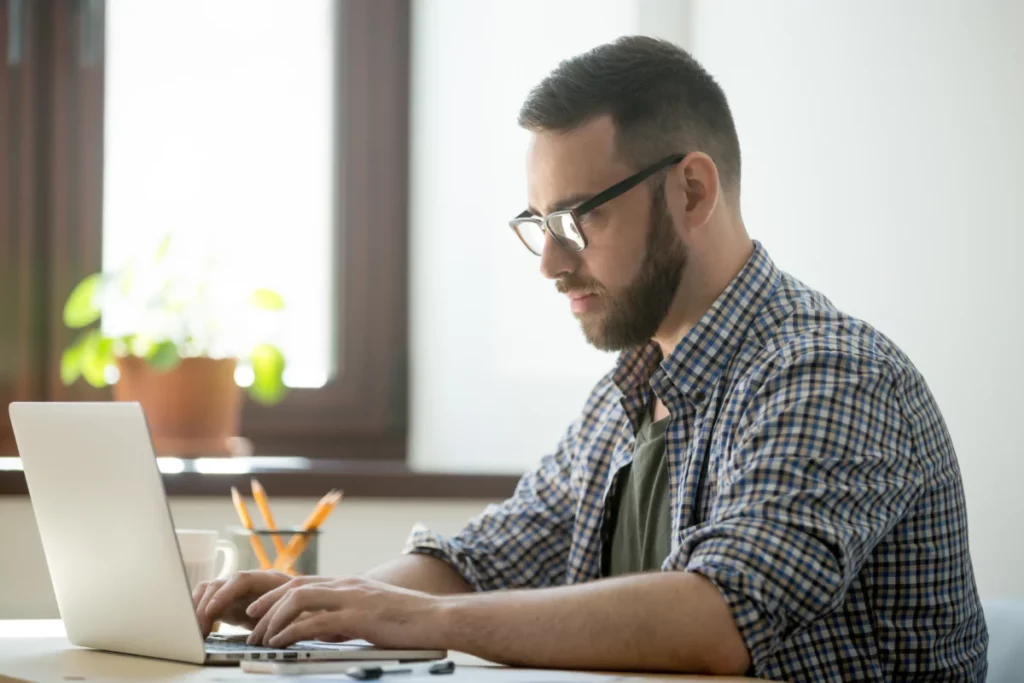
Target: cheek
(614,262)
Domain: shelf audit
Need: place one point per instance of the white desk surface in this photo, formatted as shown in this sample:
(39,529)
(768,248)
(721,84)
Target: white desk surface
(39,651)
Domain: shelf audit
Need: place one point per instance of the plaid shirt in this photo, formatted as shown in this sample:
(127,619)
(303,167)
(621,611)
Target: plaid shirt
(812,480)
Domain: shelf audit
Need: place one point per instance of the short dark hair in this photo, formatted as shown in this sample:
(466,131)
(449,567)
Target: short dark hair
(659,97)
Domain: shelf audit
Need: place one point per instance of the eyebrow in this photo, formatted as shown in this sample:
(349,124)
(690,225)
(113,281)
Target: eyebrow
(564,203)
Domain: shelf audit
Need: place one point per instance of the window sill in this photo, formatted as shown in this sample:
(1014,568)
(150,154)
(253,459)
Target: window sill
(290,476)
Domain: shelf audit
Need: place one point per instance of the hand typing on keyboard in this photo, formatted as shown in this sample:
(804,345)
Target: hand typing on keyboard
(227,599)
(342,609)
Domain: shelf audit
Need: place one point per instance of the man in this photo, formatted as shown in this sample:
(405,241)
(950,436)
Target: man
(762,484)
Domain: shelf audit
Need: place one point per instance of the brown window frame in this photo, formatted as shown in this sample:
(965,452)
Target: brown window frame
(46,226)
(361,412)
(51,193)
(55,238)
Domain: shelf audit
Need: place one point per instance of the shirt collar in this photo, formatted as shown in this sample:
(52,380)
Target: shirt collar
(702,355)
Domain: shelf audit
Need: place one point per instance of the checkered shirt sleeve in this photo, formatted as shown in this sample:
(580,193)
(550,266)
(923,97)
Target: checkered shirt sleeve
(823,469)
(521,542)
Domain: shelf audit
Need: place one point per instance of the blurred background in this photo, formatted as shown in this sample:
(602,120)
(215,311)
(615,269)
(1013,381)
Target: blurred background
(346,169)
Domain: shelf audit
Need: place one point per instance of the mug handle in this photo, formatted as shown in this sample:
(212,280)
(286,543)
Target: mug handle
(230,558)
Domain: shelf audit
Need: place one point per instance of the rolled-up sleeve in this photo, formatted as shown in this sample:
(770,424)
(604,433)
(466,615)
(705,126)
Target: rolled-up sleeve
(822,469)
(522,542)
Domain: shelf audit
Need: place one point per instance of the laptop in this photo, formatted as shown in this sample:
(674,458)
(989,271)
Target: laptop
(110,546)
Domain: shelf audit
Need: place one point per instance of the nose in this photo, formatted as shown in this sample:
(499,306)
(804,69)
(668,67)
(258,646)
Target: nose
(555,260)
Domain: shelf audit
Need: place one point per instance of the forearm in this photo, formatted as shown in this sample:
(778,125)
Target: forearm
(669,621)
(421,573)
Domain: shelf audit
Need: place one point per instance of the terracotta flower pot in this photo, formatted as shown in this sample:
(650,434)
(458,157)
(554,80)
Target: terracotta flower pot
(193,409)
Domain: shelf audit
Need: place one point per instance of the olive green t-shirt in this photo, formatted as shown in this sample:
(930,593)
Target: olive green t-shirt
(643,526)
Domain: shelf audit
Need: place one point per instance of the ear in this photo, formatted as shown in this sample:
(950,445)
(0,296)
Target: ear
(692,190)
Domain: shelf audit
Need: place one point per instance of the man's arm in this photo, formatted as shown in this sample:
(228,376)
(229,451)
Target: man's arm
(822,471)
(670,621)
(614,624)
(421,573)
(522,542)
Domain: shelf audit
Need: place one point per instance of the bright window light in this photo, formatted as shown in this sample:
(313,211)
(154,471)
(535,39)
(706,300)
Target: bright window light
(220,132)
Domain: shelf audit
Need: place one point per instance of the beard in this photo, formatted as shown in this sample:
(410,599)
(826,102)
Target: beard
(631,317)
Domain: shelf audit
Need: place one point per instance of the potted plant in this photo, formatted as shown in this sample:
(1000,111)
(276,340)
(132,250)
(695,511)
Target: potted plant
(171,333)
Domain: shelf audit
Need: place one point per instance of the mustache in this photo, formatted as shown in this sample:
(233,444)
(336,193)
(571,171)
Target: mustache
(576,283)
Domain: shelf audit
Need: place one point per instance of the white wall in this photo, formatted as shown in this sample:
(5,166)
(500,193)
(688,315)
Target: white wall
(499,366)
(883,149)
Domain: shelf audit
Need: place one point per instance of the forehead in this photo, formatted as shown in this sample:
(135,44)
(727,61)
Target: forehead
(564,168)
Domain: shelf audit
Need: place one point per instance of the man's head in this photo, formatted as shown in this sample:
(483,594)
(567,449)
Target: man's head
(598,119)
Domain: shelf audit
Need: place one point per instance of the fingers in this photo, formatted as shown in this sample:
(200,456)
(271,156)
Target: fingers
(228,598)
(198,592)
(217,601)
(261,605)
(309,598)
(259,632)
(205,619)
(325,624)
(241,585)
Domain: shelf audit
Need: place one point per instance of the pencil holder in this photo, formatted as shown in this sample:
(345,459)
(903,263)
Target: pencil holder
(304,543)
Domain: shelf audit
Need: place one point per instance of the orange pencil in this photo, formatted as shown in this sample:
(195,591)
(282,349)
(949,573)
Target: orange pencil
(316,518)
(260,496)
(243,515)
(297,545)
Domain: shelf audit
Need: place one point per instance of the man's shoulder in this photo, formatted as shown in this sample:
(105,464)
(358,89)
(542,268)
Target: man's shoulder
(799,326)
(806,355)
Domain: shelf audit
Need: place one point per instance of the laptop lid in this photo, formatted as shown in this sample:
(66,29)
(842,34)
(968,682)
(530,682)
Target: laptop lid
(106,530)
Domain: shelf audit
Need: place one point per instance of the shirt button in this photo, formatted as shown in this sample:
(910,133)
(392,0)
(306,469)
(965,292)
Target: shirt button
(699,397)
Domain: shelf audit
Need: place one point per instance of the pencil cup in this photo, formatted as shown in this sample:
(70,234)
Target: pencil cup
(307,563)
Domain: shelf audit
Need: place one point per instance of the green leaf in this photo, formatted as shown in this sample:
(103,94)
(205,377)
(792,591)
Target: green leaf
(81,308)
(164,356)
(267,299)
(97,354)
(268,374)
(72,357)
(71,364)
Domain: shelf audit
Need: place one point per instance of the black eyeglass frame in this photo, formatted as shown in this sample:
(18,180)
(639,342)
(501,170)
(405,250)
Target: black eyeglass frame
(582,209)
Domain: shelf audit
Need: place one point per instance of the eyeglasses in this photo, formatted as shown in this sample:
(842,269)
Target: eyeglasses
(564,225)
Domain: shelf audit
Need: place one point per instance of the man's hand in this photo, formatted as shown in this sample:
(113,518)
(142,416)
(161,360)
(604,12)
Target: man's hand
(227,599)
(347,608)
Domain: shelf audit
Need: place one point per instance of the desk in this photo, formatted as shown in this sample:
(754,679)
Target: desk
(39,651)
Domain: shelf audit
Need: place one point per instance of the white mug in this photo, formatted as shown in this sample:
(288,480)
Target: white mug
(199,548)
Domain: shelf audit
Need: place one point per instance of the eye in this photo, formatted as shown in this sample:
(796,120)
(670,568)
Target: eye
(592,218)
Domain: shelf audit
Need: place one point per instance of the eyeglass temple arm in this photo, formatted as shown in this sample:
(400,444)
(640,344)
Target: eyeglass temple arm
(627,184)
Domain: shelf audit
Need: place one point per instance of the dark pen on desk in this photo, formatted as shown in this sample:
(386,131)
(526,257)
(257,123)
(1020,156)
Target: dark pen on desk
(369,672)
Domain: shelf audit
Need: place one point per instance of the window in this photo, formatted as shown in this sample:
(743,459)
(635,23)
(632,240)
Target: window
(224,141)
(254,133)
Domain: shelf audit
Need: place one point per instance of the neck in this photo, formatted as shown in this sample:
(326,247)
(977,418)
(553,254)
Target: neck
(706,275)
